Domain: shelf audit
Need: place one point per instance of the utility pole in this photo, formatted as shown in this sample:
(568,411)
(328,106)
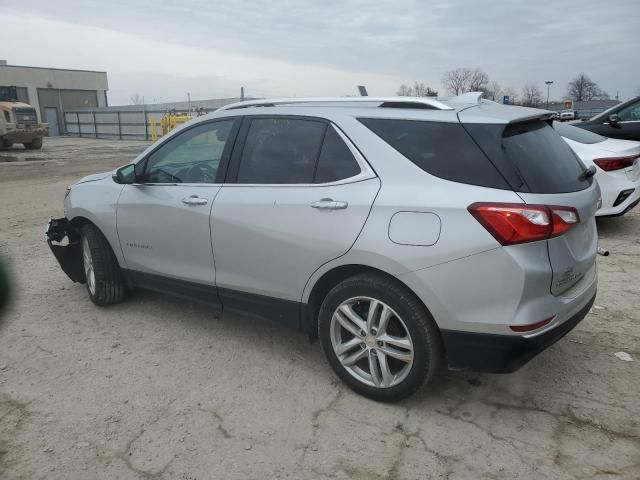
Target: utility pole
(548,82)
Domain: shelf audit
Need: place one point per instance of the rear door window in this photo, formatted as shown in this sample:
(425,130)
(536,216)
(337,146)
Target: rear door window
(281,151)
(442,149)
(336,161)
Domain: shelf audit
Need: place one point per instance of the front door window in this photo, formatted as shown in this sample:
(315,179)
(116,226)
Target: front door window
(190,157)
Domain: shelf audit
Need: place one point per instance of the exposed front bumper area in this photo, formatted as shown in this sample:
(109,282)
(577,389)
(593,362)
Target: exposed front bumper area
(69,256)
(490,353)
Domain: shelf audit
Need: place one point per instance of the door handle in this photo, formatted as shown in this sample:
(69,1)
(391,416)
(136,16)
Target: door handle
(194,200)
(329,204)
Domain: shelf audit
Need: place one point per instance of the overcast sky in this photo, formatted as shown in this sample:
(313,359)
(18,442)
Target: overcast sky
(286,47)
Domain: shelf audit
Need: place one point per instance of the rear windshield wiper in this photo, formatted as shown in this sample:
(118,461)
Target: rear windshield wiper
(587,173)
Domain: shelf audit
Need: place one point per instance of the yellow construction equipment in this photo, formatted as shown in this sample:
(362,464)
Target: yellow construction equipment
(172,120)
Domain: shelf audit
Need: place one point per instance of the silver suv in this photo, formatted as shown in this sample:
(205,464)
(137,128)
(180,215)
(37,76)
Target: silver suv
(405,233)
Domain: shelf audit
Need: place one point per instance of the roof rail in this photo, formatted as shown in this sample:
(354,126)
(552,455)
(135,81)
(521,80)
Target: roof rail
(382,102)
(469,97)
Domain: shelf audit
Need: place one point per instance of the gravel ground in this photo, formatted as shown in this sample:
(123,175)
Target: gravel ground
(156,388)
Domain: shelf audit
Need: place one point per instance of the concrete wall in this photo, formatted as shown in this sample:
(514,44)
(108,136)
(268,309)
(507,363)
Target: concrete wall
(37,80)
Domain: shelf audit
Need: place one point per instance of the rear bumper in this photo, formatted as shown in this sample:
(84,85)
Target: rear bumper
(483,352)
(68,256)
(612,184)
(629,204)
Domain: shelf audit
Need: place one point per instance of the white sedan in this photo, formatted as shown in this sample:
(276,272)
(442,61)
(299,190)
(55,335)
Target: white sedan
(617,165)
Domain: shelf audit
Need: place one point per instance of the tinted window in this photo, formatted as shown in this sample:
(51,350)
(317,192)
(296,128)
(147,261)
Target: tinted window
(336,161)
(442,149)
(577,134)
(630,113)
(192,156)
(281,150)
(531,156)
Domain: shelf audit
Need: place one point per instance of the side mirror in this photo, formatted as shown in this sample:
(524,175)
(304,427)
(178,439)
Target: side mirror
(614,119)
(125,175)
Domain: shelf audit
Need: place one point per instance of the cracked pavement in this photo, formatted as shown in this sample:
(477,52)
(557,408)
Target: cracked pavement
(157,388)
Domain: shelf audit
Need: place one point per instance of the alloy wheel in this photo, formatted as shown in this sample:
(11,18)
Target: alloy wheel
(371,342)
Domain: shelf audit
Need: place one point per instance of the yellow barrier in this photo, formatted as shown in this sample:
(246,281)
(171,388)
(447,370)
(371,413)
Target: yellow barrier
(154,129)
(171,121)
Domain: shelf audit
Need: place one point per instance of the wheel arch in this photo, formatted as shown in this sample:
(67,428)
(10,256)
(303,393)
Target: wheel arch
(332,277)
(75,226)
(81,217)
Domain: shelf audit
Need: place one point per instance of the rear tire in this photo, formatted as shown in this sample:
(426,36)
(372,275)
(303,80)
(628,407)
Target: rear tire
(35,144)
(102,273)
(404,351)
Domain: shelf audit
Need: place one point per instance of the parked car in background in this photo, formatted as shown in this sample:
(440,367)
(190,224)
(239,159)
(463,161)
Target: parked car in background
(621,121)
(617,165)
(404,233)
(567,115)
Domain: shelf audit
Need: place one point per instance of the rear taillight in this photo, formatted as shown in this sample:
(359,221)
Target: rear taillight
(615,163)
(513,223)
(563,218)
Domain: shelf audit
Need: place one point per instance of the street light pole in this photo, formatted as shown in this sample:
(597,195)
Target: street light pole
(548,82)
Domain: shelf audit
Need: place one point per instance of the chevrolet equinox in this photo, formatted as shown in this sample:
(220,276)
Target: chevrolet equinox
(406,234)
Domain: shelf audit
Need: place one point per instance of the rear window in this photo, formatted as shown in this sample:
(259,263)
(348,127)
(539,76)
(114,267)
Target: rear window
(576,134)
(442,149)
(531,156)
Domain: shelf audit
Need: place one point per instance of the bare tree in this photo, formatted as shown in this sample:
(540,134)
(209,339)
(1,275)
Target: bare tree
(493,92)
(422,90)
(419,89)
(461,80)
(583,88)
(457,81)
(531,95)
(479,81)
(596,93)
(404,91)
(577,87)
(136,99)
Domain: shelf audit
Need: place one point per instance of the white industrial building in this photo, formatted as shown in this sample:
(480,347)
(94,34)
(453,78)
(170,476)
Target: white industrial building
(51,91)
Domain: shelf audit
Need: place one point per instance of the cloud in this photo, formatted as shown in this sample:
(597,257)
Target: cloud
(286,47)
(159,68)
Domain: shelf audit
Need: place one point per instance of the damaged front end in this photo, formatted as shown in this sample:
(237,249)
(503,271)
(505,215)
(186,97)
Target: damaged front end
(69,255)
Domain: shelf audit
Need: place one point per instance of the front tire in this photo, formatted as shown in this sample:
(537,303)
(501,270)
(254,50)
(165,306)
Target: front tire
(102,272)
(379,338)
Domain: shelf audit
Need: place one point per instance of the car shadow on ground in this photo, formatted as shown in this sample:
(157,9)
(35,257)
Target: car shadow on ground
(616,226)
(282,345)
